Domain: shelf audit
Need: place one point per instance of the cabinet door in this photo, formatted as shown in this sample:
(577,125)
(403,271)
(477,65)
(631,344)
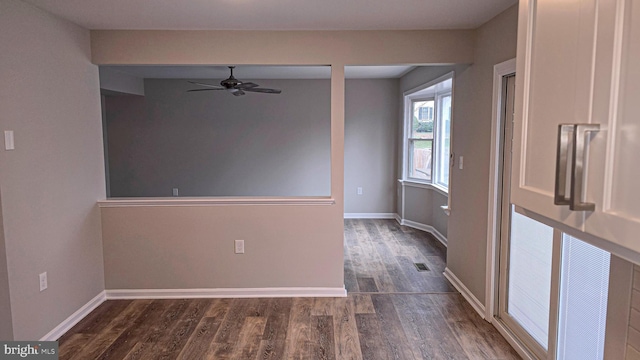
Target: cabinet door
(614,158)
(555,62)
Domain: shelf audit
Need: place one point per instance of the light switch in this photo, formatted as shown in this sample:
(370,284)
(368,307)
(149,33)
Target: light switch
(461,162)
(8,140)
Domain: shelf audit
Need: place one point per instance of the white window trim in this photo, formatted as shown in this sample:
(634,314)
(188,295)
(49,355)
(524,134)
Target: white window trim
(423,185)
(409,96)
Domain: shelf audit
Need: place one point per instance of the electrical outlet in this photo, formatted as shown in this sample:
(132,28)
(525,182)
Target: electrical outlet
(359,190)
(43,281)
(239,244)
(461,163)
(8,140)
(175,191)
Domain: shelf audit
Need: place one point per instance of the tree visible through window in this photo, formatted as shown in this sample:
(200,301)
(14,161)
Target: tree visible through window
(428,129)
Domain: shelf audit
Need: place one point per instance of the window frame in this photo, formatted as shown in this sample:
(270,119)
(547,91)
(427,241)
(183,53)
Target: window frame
(418,94)
(438,140)
(410,139)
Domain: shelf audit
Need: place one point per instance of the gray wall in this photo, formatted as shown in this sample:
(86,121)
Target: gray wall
(317,258)
(49,96)
(423,74)
(424,206)
(6,323)
(191,247)
(439,219)
(472,110)
(370,139)
(215,144)
(473,87)
(118,82)
(418,205)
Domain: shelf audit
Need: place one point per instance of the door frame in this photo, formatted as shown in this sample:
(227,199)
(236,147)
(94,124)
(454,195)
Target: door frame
(493,229)
(500,71)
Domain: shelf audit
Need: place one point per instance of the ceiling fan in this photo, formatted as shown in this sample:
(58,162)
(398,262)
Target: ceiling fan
(235,86)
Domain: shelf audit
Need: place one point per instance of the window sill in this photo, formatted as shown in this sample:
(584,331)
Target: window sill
(423,185)
(446,209)
(441,189)
(213,201)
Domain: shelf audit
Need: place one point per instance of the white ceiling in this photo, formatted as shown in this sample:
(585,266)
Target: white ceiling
(276,14)
(259,72)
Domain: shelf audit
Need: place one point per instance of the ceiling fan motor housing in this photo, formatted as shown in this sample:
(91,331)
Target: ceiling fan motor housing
(230,83)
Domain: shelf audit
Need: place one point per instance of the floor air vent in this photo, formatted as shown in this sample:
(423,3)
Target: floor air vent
(421,267)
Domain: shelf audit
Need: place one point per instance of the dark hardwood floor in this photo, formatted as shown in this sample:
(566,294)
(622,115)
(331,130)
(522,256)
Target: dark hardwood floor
(392,312)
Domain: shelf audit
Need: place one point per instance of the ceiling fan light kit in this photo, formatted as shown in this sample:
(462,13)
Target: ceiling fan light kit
(235,86)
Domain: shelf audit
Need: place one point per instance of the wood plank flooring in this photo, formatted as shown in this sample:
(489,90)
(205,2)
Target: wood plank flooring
(392,312)
(380,256)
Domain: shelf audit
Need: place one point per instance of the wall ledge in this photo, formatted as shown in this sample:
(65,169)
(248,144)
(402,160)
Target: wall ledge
(420,185)
(369,215)
(446,209)
(214,201)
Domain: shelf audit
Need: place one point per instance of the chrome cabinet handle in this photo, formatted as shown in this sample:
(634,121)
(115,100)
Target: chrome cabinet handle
(577,167)
(565,132)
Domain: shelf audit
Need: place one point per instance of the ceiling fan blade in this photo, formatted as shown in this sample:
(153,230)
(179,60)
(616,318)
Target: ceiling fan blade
(208,85)
(264,90)
(246,85)
(205,89)
(237,92)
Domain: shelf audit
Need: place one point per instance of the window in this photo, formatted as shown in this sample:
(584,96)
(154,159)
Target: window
(421,139)
(444,140)
(428,133)
(426,112)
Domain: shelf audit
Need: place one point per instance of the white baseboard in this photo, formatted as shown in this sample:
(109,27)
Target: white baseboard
(87,308)
(369,215)
(428,228)
(398,218)
(74,318)
(471,299)
(226,293)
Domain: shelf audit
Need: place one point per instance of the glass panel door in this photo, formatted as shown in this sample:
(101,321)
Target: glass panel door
(584,290)
(530,254)
(536,259)
(553,288)
(527,270)
(526,257)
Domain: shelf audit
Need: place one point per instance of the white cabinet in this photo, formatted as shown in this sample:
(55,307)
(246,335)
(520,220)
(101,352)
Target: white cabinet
(579,63)
(616,153)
